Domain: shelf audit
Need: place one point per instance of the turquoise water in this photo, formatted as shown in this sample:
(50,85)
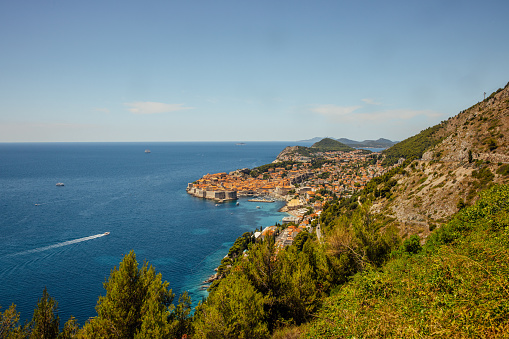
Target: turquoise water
(54,236)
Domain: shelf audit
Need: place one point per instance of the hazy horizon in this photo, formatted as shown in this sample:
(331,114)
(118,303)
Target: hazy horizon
(193,141)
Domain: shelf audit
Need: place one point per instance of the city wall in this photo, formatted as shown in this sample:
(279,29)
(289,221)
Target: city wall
(212,195)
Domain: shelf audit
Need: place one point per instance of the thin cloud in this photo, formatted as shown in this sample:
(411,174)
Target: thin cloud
(333,111)
(149,107)
(397,114)
(349,114)
(370,101)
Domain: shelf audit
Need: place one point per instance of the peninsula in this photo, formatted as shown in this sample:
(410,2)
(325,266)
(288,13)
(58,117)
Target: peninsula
(305,177)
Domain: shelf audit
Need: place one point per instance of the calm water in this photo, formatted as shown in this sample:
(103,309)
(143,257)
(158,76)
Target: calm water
(53,236)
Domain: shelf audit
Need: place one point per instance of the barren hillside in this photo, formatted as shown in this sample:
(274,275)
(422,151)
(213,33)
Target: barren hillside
(472,154)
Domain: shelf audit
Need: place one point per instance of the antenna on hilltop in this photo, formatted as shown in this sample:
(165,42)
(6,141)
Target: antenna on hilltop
(484,95)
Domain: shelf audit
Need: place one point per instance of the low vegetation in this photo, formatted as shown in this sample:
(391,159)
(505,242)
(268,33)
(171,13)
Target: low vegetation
(413,147)
(455,286)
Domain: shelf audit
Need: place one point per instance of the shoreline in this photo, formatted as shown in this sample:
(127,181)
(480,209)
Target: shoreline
(205,284)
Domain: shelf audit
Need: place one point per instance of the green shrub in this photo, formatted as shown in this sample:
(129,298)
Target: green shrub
(503,170)
(461,204)
(492,145)
(412,244)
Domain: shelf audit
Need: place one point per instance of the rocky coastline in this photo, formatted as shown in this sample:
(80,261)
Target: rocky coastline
(207,282)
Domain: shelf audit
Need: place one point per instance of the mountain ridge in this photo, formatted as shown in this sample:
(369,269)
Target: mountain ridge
(329,144)
(446,166)
(324,145)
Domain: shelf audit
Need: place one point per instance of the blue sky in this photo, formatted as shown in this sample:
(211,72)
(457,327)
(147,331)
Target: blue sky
(244,70)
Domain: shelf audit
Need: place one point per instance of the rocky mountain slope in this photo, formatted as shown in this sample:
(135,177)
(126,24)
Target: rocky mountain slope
(465,154)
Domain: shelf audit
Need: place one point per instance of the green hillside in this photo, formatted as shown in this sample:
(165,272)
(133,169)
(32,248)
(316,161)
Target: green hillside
(328,145)
(413,147)
(456,286)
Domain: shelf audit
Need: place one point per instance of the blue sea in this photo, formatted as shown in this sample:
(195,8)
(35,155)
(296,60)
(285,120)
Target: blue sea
(53,236)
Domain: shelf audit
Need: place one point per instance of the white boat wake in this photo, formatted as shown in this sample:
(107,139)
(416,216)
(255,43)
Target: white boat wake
(65,243)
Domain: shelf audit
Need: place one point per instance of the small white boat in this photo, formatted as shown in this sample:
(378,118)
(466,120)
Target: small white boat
(60,184)
(238,203)
(258,207)
(106,233)
(147,151)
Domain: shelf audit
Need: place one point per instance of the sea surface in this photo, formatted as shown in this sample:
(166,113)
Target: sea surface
(53,236)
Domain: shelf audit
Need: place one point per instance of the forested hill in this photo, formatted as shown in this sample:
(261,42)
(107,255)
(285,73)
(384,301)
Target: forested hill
(379,143)
(414,147)
(328,144)
(324,145)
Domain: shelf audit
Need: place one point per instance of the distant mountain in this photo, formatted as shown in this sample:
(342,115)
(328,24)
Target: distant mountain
(324,145)
(313,140)
(328,144)
(348,141)
(380,143)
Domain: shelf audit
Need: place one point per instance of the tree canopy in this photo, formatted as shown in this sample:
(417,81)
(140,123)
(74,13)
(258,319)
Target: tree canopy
(328,144)
(136,304)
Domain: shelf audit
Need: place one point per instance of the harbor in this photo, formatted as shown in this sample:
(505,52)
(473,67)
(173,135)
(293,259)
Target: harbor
(261,200)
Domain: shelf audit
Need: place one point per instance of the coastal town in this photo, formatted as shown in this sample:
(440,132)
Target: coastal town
(305,183)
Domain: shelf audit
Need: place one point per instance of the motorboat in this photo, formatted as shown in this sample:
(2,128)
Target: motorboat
(106,233)
(147,151)
(60,184)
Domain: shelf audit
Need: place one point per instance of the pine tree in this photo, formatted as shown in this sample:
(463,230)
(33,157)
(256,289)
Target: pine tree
(136,304)
(9,323)
(233,310)
(264,272)
(45,322)
(180,317)
(70,330)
